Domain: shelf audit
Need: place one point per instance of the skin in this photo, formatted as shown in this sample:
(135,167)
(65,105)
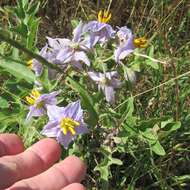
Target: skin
(35,168)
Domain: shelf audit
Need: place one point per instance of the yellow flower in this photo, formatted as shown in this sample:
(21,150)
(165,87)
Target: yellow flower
(140,42)
(104,16)
(35,94)
(29,64)
(68,124)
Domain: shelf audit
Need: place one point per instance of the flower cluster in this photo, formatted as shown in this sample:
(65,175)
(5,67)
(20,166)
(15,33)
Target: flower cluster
(75,51)
(66,122)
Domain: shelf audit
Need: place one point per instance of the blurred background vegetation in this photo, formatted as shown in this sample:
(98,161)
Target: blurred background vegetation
(169,18)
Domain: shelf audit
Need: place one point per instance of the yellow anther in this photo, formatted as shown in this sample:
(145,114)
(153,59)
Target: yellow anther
(33,97)
(68,124)
(104,16)
(29,63)
(64,129)
(35,93)
(73,132)
(30,100)
(140,42)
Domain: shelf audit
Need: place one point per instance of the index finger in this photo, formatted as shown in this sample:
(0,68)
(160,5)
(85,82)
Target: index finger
(31,162)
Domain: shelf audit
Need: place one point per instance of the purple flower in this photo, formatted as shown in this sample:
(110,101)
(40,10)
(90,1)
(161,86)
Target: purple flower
(70,55)
(107,82)
(98,32)
(57,43)
(36,65)
(39,102)
(49,55)
(65,123)
(71,51)
(126,45)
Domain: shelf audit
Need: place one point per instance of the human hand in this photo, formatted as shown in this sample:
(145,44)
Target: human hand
(34,168)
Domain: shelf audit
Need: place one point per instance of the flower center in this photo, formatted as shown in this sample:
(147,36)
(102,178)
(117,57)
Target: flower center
(75,45)
(35,94)
(140,42)
(104,81)
(68,125)
(104,16)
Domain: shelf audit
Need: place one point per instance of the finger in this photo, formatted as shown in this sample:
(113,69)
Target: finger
(10,144)
(70,170)
(74,186)
(33,161)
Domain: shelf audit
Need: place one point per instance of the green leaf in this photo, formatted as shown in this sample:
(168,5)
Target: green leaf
(33,9)
(116,161)
(136,66)
(149,136)
(87,100)
(21,30)
(164,123)
(149,62)
(158,149)
(18,70)
(25,4)
(127,112)
(20,9)
(128,108)
(3,103)
(103,168)
(155,145)
(32,34)
(74,23)
(145,124)
(173,126)
(44,78)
